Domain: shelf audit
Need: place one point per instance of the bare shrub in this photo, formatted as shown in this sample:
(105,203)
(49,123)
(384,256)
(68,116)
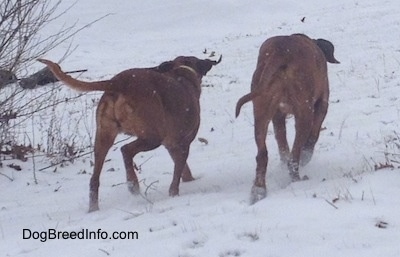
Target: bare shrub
(22,41)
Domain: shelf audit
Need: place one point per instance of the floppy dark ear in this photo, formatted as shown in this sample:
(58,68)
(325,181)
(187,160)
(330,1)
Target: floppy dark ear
(204,66)
(327,48)
(165,67)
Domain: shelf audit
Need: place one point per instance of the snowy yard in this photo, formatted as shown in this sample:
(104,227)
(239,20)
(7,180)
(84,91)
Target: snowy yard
(349,207)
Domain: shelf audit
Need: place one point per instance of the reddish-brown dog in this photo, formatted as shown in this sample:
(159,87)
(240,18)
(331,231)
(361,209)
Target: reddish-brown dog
(290,78)
(160,106)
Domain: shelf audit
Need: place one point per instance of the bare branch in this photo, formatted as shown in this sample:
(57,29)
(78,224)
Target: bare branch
(22,41)
(10,178)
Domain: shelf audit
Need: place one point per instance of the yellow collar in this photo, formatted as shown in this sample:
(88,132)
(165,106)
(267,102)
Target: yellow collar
(189,68)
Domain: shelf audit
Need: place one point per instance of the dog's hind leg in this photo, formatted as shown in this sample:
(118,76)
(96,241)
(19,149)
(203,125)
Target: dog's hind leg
(187,174)
(179,154)
(320,110)
(128,152)
(103,141)
(264,110)
(279,123)
(259,189)
(303,125)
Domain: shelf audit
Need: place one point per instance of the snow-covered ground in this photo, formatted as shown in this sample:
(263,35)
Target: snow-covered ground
(347,208)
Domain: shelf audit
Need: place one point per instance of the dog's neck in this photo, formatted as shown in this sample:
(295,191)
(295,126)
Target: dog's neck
(189,69)
(189,74)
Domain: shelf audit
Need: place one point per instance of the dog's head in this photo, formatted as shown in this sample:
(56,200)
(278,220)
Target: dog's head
(201,67)
(327,48)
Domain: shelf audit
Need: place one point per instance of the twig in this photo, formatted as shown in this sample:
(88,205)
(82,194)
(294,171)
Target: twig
(33,153)
(84,154)
(341,128)
(139,168)
(11,179)
(76,71)
(86,26)
(67,72)
(131,213)
(388,153)
(29,114)
(149,186)
(331,204)
(115,185)
(145,198)
(62,161)
(372,194)
(104,251)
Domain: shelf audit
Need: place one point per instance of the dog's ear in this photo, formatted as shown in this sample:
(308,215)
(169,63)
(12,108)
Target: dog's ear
(204,66)
(327,48)
(165,66)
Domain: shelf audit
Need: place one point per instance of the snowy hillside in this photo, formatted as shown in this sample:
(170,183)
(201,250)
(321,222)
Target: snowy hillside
(349,207)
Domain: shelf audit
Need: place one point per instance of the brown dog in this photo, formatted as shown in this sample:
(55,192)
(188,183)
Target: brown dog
(291,77)
(160,106)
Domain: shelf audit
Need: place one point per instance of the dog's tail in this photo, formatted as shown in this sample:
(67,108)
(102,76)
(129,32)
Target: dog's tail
(267,78)
(79,85)
(244,99)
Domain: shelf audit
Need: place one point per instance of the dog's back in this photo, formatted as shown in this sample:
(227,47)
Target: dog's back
(291,68)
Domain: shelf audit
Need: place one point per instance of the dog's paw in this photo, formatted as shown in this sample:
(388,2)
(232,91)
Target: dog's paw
(295,176)
(93,207)
(257,194)
(187,178)
(133,188)
(173,192)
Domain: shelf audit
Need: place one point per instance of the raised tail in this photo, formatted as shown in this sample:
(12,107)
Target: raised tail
(79,85)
